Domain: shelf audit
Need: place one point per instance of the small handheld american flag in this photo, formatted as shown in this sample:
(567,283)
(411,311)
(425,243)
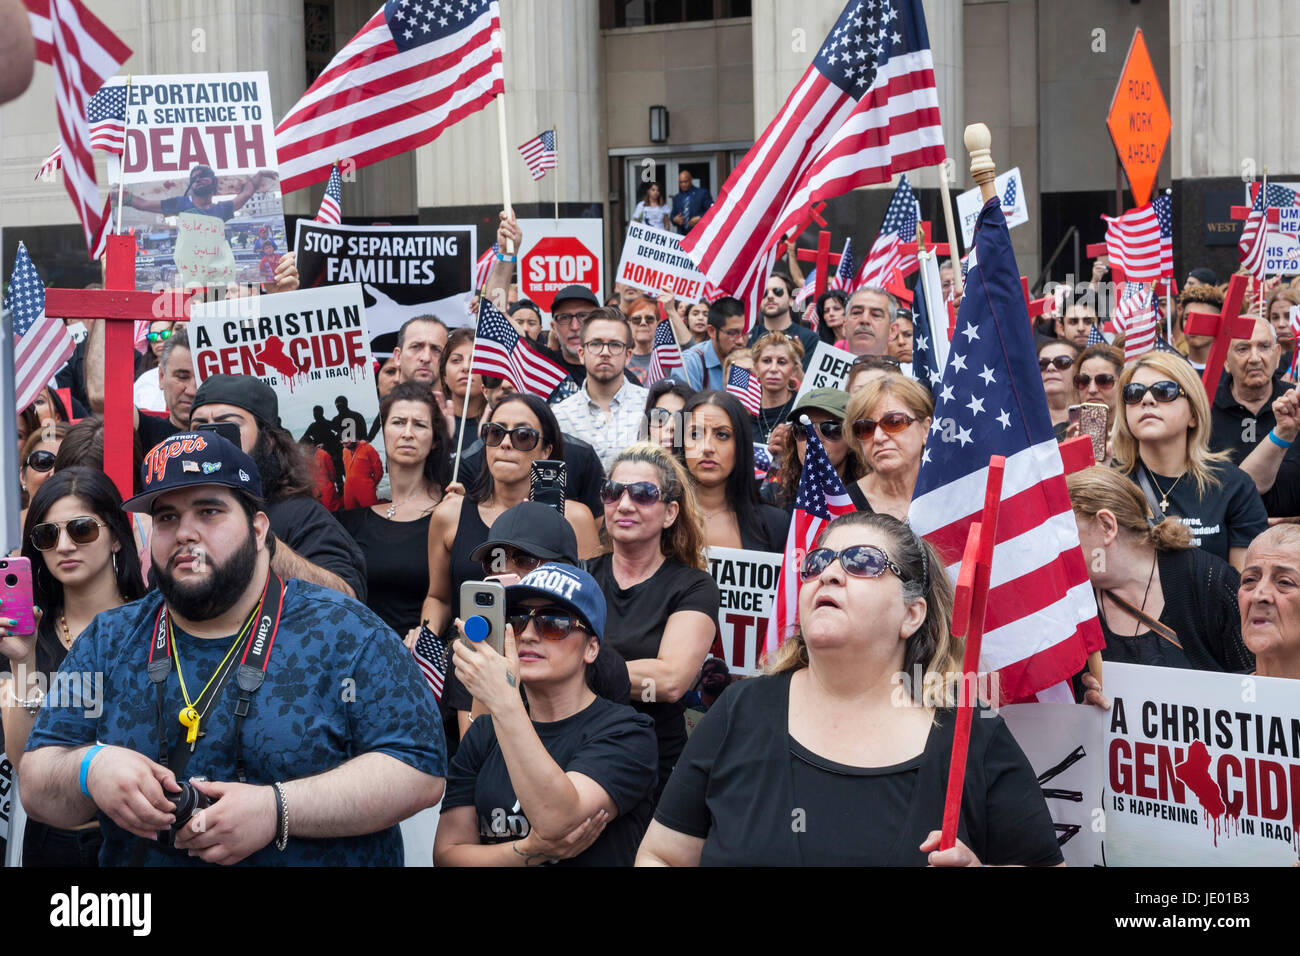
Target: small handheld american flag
(1135,316)
(331,204)
(539,153)
(843,277)
(432,655)
(666,357)
(1140,243)
(1009,198)
(745,387)
(501,352)
(483,268)
(43,345)
(106,113)
(898,226)
(1254,234)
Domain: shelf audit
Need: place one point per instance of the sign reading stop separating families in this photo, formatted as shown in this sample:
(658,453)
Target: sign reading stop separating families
(1202,768)
(653,259)
(747,584)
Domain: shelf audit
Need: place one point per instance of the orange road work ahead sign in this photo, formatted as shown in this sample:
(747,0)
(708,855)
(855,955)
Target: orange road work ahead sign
(1138,120)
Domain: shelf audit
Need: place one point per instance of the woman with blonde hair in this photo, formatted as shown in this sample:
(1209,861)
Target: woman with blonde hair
(1162,442)
(840,755)
(1160,601)
(888,422)
(661,602)
(778,363)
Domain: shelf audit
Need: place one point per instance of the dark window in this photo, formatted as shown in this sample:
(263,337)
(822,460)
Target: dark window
(640,13)
(318,37)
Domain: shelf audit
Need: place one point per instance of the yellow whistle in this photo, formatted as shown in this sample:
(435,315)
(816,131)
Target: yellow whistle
(189,718)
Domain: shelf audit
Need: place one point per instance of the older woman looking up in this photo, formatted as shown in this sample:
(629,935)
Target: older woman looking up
(841,723)
(1270,611)
(888,423)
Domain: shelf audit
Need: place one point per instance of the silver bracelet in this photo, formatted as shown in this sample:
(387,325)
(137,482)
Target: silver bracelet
(31,705)
(282,838)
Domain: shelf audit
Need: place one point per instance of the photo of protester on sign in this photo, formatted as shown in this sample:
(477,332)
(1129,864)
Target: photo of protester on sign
(199,183)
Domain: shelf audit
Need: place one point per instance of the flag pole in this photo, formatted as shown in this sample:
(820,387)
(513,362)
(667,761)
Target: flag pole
(469,389)
(954,246)
(1259,299)
(121,176)
(556,136)
(505,155)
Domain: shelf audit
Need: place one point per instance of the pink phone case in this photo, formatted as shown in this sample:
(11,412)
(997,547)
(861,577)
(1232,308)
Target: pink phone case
(16,594)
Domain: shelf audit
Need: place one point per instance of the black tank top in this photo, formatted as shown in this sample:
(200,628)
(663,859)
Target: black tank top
(470,533)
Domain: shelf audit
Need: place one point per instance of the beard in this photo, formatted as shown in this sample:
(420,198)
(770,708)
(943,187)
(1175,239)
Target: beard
(217,593)
(204,190)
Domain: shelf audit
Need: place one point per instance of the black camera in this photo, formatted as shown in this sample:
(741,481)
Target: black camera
(188,802)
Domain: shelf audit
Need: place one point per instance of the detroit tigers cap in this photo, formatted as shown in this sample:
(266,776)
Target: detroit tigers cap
(568,587)
(194,458)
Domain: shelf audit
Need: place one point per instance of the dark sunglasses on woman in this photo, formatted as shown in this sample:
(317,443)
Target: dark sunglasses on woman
(891,423)
(860,560)
(644,318)
(1104,380)
(41,460)
(1165,391)
(831,431)
(82,530)
(553,623)
(162,336)
(641,492)
(522,438)
(1061,361)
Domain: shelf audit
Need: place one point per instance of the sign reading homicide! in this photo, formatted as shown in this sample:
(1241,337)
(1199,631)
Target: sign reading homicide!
(653,258)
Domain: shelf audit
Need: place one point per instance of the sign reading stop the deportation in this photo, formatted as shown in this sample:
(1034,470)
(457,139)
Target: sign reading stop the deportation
(557,253)
(653,258)
(1138,120)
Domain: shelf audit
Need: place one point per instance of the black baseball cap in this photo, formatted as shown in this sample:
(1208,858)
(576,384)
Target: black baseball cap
(194,458)
(1204,275)
(243,391)
(532,527)
(576,292)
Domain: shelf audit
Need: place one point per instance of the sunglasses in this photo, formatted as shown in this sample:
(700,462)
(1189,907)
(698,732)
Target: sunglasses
(774,293)
(1105,380)
(520,562)
(41,460)
(553,623)
(82,530)
(1165,391)
(860,560)
(564,318)
(1061,361)
(522,438)
(831,431)
(661,416)
(641,492)
(162,336)
(891,423)
(645,318)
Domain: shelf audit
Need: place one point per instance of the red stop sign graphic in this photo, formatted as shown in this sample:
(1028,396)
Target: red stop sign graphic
(552,264)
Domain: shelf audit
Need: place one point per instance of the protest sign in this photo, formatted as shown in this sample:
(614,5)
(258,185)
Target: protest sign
(1203,769)
(828,368)
(404,271)
(653,258)
(1009,187)
(1282,247)
(747,583)
(1064,745)
(559,252)
(201,186)
(313,347)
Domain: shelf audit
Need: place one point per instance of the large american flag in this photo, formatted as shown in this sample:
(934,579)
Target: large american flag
(744,385)
(899,226)
(539,153)
(501,352)
(432,655)
(1255,232)
(106,113)
(416,68)
(666,357)
(41,346)
(865,109)
(1041,621)
(84,53)
(331,204)
(1135,316)
(821,497)
(1140,243)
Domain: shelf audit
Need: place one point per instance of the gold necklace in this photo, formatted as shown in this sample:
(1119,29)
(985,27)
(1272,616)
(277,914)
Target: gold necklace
(1164,495)
(67,636)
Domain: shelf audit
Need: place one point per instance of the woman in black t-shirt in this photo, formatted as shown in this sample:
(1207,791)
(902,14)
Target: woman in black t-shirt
(569,778)
(463,391)
(1162,441)
(846,742)
(394,535)
(663,604)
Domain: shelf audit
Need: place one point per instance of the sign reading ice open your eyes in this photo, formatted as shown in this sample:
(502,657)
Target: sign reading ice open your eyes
(747,584)
(653,258)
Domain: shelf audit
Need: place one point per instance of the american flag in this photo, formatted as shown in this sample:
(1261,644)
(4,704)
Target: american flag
(1255,233)
(762,462)
(808,288)
(745,387)
(539,153)
(106,113)
(41,346)
(1135,316)
(821,497)
(843,277)
(331,204)
(1009,197)
(864,109)
(712,293)
(666,356)
(927,364)
(416,68)
(501,352)
(1094,335)
(1140,243)
(432,655)
(899,226)
(1041,620)
(84,54)
(483,268)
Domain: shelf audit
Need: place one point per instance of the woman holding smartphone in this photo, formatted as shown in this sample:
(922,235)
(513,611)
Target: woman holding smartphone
(83,561)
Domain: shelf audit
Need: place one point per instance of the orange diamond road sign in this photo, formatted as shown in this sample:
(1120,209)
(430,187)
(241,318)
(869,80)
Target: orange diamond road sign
(1138,120)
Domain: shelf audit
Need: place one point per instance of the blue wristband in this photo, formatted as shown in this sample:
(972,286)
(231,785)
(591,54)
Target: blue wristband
(501,258)
(1277,441)
(85,766)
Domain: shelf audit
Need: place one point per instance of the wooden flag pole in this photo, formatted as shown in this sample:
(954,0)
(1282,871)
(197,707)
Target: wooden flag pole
(469,390)
(121,175)
(505,153)
(954,245)
(555,135)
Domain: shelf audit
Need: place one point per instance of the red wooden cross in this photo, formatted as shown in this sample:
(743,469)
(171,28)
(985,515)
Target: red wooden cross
(1076,453)
(1036,307)
(912,248)
(1271,215)
(1227,325)
(121,306)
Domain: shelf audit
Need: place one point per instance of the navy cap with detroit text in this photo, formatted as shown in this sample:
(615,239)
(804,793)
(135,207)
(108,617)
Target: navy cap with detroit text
(564,586)
(194,458)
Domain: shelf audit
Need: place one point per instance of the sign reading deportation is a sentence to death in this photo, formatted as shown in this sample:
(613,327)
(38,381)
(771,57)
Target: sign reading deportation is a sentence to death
(653,258)
(828,368)
(200,179)
(1202,768)
(747,584)
(404,271)
(312,346)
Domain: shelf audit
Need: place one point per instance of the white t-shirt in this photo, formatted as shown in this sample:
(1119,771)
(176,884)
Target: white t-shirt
(148,393)
(654,216)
